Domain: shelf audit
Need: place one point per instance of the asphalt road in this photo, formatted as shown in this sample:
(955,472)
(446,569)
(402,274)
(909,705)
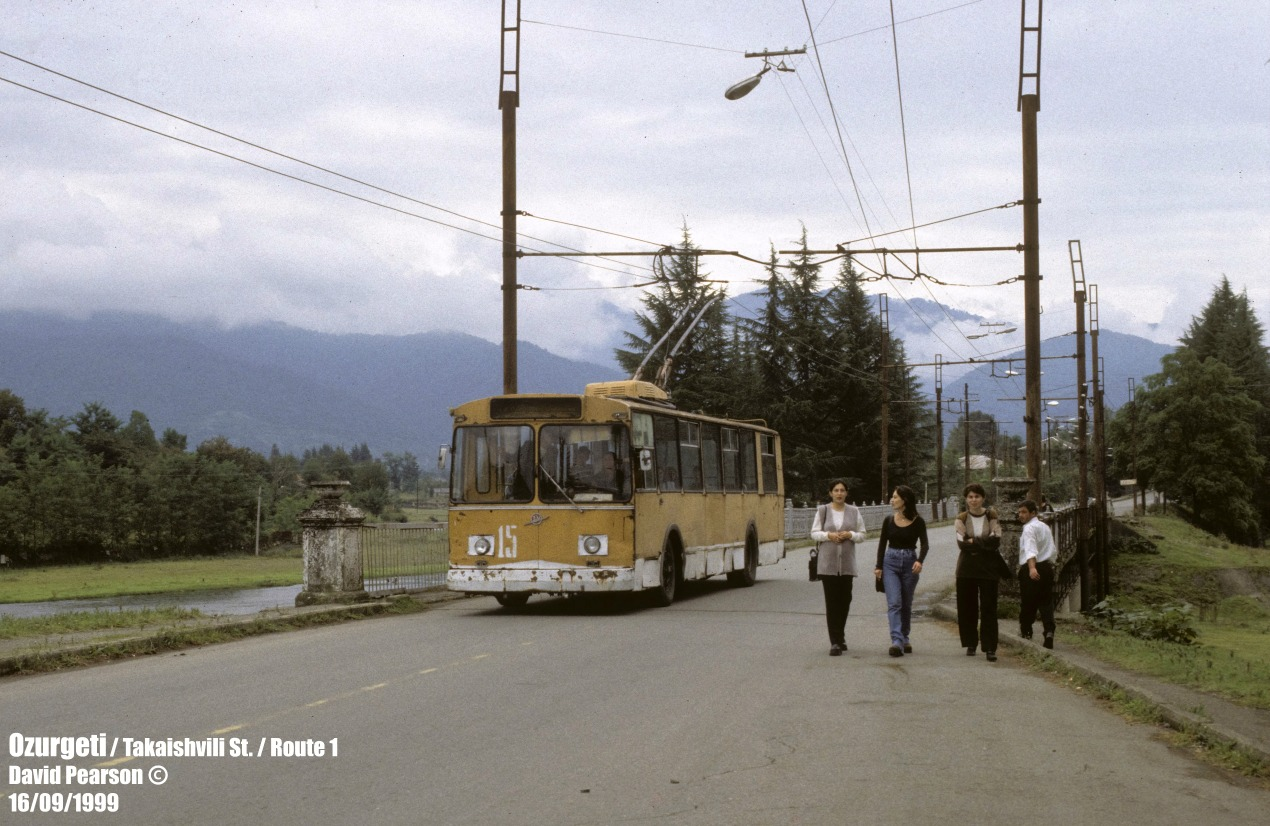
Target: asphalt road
(723,709)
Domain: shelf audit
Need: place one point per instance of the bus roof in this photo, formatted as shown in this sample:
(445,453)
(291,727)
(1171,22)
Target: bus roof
(613,395)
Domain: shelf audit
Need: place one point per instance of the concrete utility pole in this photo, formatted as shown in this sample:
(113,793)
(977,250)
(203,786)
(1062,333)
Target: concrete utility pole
(1029,105)
(965,404)
(884,316)
(508,101)
(939,434)
(1082,404)
(1100,447)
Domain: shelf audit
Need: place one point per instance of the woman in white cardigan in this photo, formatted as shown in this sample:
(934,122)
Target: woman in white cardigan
(836,530)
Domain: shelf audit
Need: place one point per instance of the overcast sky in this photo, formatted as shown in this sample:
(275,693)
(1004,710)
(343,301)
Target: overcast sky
(1154,137)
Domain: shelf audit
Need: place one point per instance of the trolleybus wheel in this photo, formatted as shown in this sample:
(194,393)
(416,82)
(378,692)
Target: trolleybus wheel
(745,577)
(664,594)
(512,600)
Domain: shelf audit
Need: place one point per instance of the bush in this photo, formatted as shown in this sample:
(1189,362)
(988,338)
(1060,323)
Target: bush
(1171,623)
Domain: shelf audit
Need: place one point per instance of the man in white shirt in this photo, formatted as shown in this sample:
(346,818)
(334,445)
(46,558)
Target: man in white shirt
(1037,553)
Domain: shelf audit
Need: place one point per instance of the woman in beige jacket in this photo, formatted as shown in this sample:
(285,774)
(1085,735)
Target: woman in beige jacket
(836,530)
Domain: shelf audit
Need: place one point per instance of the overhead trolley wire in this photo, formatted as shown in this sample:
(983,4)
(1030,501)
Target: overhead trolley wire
(811,31)
(283,155)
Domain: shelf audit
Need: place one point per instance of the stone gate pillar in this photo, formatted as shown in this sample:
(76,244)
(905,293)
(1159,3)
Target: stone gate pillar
(1011,492)
(332,548)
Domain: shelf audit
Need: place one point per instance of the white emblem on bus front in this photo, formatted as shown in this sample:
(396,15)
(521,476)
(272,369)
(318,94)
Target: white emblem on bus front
(537,519)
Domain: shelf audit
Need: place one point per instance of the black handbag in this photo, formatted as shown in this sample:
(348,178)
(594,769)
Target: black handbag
(812,576)
(878,586)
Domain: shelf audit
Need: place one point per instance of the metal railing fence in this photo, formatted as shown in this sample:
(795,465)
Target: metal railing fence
(400,558)
(1073,527)
(798,520)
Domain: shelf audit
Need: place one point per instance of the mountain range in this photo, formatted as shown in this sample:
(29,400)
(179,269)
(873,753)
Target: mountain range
(267,385)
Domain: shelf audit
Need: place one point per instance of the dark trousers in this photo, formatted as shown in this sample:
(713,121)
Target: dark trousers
(1036,595)
(977,612)
(837,606)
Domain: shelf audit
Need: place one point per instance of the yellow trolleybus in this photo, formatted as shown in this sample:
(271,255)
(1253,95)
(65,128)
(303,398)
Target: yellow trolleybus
(612,490)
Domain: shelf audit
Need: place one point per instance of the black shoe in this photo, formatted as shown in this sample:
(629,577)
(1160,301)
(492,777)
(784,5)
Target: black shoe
(895,651)
(1049,641)
(908,649)
(991,655)
(1025,633)
(970,651)
(835,650)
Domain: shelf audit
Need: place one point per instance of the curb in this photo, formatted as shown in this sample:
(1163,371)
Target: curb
(1186,722)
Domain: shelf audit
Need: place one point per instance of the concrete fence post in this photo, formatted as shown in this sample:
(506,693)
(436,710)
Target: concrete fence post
(1011,492)
(332,548)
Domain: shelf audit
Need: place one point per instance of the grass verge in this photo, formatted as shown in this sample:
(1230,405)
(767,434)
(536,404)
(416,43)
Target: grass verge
(180,637)
(1233,663)
(12,628)
(1196,739)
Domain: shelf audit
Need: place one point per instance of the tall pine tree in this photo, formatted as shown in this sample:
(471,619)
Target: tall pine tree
(698,373)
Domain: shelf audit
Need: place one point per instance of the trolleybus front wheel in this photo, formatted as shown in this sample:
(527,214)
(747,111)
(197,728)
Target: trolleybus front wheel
(664,594)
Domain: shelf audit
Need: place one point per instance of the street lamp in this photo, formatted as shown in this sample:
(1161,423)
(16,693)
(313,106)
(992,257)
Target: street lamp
(742,88)
(993,332)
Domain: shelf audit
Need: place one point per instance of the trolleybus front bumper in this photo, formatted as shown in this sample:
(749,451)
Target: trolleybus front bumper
(551,578)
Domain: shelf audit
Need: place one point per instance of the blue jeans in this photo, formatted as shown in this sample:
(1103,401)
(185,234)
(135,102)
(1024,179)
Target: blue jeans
(900,582)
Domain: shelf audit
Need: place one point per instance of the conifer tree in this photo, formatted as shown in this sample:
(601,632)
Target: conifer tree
(697,378)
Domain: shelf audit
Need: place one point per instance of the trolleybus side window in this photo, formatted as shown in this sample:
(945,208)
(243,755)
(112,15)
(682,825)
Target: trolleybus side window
(493,464)
(667,449)
(710,456)
(749,468)
(642,452)
(767,447)
(690,454)
(731,463)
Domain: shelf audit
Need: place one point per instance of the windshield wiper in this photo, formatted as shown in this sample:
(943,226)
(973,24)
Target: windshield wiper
(544,472)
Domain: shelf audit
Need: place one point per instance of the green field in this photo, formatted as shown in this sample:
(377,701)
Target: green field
(153,577)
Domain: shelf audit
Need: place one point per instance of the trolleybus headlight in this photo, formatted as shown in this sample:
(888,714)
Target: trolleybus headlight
(593,545)
(480,545)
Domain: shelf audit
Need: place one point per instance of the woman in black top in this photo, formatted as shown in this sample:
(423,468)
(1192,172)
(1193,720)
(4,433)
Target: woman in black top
(901,551)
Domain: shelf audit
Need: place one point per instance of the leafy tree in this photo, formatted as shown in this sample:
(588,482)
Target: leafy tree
(173,440)
(98,432)
(220,449)
(137,439)
(369,489)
